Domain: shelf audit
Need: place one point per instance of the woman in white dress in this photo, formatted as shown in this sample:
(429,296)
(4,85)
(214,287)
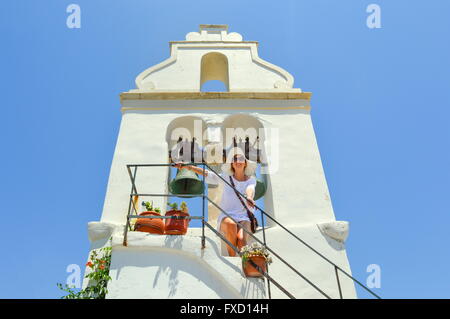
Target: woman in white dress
(241,171)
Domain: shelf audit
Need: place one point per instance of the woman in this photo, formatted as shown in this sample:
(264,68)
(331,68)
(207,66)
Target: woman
(241,171)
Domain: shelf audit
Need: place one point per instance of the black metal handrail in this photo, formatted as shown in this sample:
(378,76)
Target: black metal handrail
(134,192)
(269,249)
(299,239)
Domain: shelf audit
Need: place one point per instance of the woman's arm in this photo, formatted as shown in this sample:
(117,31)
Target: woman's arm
(210,178)
(250,193)
(195,169)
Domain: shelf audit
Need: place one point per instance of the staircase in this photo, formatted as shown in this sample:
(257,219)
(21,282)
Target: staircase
(163,266)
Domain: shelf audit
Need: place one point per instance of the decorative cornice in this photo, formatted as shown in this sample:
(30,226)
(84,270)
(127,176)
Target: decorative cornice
(200,108)
(213,37)
(215,95)
(212,43)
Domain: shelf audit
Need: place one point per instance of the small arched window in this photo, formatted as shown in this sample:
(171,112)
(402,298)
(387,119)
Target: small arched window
(214,73)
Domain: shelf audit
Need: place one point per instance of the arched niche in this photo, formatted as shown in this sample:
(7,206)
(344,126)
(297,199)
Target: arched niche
(242,125)
(187,127)
(214,66)
(180,133)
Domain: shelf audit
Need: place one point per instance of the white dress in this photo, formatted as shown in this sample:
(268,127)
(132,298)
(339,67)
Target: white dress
(230,202)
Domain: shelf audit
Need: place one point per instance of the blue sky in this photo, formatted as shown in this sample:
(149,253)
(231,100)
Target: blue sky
(380,108)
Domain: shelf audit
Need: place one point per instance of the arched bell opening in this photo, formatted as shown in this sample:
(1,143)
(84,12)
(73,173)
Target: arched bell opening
(214,86)
(185,141)
(214,68)
(246,132)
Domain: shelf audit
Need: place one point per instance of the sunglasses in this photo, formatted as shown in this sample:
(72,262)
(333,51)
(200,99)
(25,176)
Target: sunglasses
(239,159)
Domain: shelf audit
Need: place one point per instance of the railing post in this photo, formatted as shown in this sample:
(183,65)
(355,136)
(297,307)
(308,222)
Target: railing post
(125,236)
(339,284)
(133,188)
(203,209)
(265,245)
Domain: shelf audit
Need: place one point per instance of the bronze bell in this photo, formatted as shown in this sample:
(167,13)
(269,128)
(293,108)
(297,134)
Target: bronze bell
(260,189)
(186,182)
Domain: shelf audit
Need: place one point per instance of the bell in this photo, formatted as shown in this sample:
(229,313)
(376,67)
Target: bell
(186,182)
(260,189)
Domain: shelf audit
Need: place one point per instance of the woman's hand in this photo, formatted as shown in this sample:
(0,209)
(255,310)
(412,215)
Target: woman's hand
(180,166)
(250,192)
(250,202)
(193,168)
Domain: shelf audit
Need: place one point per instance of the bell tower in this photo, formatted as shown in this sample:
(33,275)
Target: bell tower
(271,121)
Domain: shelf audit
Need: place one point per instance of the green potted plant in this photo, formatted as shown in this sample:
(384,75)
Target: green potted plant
(259,255)
(179,224)
(150,225)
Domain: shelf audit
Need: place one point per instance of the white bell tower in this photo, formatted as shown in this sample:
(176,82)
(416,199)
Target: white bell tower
(259,96)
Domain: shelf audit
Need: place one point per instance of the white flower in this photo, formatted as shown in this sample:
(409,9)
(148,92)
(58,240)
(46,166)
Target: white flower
(255,249)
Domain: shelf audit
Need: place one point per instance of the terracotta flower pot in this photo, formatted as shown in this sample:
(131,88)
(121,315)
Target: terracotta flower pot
(250,270)
(150,225)
(176,226)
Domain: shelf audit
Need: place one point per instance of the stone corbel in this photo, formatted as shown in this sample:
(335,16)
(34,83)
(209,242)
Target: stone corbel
(337,230)
(101,230)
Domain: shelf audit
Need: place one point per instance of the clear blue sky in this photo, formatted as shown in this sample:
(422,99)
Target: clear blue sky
(380,108)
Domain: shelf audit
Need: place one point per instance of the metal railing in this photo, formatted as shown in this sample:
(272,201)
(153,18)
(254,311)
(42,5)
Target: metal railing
(204,197)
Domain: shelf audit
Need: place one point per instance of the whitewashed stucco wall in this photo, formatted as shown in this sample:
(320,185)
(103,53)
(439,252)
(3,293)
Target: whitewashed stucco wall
(297,194)
(154,266)
(183,73)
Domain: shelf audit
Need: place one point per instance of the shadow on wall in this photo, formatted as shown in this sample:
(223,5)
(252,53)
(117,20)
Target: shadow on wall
(168,273)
